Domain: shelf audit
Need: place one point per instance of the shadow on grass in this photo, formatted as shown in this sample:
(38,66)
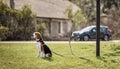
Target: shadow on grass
(88,60)
(48,59)
(102,59)
(117,53)
(106,60)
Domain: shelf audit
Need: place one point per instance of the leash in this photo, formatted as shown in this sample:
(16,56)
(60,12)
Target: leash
(71,46)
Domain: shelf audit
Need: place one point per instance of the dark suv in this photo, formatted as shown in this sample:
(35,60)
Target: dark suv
(90,33)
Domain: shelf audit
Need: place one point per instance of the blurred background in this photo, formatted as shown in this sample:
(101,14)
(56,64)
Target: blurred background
(55,19)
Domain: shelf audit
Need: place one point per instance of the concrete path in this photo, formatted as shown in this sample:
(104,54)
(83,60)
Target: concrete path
(59,41)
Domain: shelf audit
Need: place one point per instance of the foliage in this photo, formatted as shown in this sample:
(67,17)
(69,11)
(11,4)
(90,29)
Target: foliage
(23,56)
(4,32)
(76,17)
(25,19)
(88,7)
(5,14)
(111,8)
(108,4)
(41,28)
(19,22)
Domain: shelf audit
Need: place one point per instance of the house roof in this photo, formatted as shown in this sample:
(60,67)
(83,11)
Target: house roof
(47,8)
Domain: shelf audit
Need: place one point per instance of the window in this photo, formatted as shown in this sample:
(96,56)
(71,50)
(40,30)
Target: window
(102,29)
(59,27)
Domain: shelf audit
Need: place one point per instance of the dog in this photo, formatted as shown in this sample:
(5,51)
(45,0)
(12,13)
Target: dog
(43,49)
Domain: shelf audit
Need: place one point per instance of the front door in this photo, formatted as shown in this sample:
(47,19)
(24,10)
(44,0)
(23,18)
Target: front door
(93,33)
(55,28)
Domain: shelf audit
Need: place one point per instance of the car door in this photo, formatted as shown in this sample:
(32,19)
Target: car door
(102,31)
(93,33)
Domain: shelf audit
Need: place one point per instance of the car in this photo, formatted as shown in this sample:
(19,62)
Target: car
(89,32)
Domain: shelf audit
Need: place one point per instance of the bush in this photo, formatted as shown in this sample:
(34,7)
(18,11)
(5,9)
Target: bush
(4,32)
(16,24)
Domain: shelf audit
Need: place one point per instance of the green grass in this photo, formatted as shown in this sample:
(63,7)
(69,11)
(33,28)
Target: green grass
(23,56)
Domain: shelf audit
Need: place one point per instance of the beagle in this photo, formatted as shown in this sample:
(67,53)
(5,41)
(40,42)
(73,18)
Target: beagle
(43,49)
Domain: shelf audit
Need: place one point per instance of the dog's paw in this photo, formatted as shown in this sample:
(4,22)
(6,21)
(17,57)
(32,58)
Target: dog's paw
(48,55)
(42,54)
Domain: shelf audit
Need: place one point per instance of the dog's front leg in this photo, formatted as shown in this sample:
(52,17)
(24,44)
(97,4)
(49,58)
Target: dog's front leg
(42,54)
(42,51)
(39,51)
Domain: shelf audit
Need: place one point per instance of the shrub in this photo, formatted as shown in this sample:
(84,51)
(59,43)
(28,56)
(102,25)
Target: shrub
(4,32)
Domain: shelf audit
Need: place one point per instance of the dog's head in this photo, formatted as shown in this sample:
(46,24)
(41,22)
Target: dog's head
(36,35)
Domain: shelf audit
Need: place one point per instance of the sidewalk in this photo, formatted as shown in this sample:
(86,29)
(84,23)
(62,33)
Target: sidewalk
(58,41)
(47,42)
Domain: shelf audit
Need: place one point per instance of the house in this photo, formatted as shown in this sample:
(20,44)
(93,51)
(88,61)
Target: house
(50,12)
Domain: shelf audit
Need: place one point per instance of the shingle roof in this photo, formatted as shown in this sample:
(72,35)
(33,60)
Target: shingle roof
(47,8)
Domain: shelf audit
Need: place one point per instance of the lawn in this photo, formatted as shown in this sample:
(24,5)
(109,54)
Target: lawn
(23,56)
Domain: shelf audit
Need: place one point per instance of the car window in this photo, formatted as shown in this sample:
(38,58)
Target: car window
(94,29)
(86,29)
(102,29)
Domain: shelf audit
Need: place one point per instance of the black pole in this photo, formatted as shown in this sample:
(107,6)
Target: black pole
(98,28)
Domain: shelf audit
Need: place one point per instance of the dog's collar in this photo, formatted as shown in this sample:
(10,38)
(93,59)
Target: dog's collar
(40,40)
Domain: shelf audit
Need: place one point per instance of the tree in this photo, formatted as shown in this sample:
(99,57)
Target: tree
(88,8)
(5,24)
(108,4)
(25,19)
(75,17)
(111,8)
(41,27)
(19,23)
(4,32)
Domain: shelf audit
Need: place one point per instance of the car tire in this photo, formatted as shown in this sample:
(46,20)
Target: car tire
(106,38)
(85,38)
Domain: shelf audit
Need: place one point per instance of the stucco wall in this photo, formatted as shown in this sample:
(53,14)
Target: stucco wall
(55,27)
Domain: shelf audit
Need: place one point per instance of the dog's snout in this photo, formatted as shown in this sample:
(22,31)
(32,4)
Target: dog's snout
(32,36)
